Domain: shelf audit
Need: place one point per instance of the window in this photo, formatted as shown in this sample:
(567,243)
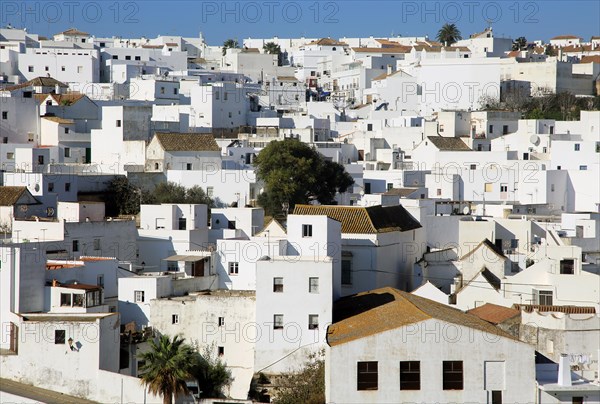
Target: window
(313,285)
(67,187)
(366,376)
(97,244)
(210,191)
(59,336)
(577,147)
(79,69)
(118,123)
(278,285)
(545,297)
(188,166)
(10,156)
(514,243)
(115,57)
(221,350)
(75,245)
(346,272)
(410,375)
(577,400)
(234,268)
(491,129)
(278,322)
(567,267)
(66,130)
(503,187)
(93,298)
(175,319)
(40,159)
(497,397)
(67,152)
(4,114)
(369,127)
(582,168)
(505,129)
(313,321)
(162,90)
(452,375)
(489,187)
(552,187)
(127,57)
(175,91)
(439,192)
(307,230)
(50,187)
(221,321)
(30,69)
(138,296)
(65,299)
(138,58)
(100,280)
(78,300)
(46,68)
(172,266)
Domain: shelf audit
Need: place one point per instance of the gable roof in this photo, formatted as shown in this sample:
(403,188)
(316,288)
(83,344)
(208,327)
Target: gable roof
(402,192)
(364,220)
(493,313)
(590,59)
(9,196)
(377,311)
(328,42)
(448,143)
(565,37)
(39,82)
(73,32)
(487,243)
(187,141)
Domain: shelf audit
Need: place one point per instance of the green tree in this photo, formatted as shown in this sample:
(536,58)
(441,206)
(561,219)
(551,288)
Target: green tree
(211,373)
(274,49)
(196,195)
(169,192)
(448,34)
(294,172)
(122,198)
(306,385)
(520,43)
(168,365)
(230,44)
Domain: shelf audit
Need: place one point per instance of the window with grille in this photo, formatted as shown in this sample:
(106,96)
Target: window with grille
(278,321)
(234,268)
(452,375)
(366,376)
(313,285)
(278,285)
(313,321)
(139,296)
(410,375)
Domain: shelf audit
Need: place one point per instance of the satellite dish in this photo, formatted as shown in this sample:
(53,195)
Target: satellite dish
(535,140)
(466,210)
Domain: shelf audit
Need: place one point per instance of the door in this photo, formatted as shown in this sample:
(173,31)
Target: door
(198,268)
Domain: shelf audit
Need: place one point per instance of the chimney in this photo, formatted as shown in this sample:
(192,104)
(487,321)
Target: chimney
(564,371)
(389,69)
(57,89)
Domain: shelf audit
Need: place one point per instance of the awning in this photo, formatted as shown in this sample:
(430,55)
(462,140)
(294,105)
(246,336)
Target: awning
(186,258)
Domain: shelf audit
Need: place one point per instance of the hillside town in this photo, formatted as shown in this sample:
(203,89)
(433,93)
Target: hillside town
(313,220)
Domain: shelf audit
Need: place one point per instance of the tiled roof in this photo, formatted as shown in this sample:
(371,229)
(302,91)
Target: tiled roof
(328,42)
(395,49)
(556,309)
(287,78)
(39,82)
(494,313)
(74,32)
(437,49)
(152,46)
(448,143)
(10,195)
(361,220)
(385,75)
(59,120)
(565,37)
(385,309)
(250,50)
(401,191)
(591,59)
(188,142)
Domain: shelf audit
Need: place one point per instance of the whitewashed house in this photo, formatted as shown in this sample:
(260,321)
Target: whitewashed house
(182,151)
(389,346)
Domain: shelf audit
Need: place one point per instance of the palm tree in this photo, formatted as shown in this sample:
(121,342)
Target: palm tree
(273,49)
(168,366)
(448,34)
(230,43)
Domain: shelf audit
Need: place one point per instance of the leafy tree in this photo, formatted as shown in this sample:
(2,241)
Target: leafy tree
(448,34)
(211,373)
(230,44)
(294,172)
(306,385)
(273,49)
(196,195)
(122,197)
(169,192)
(519,44)
(550,51)
(167,367)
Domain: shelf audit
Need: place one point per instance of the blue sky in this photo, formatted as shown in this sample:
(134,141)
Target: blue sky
(219,20)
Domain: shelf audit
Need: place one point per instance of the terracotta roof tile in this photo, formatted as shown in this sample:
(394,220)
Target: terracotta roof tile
(556,309)
(59,120)
(188,142)
(590,59)
(448,143)
(10,195)
(494,313)
(38,82)
(385,309)
(361,220)
(328,42)
(73,32)
(401,191)
(565,37)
